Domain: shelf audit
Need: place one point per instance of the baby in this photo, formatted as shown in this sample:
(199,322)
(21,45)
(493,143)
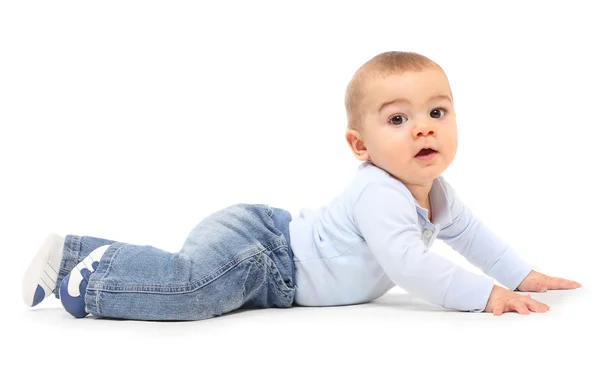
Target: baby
(375,235)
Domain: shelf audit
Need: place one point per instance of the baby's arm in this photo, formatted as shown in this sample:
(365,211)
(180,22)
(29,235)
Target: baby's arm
(470,237)
(388,222)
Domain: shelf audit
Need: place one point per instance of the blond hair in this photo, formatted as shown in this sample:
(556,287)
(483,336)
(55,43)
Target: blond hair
(382,65)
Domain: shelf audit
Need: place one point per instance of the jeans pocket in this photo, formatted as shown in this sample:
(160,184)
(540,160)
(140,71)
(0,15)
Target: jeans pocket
(277,264)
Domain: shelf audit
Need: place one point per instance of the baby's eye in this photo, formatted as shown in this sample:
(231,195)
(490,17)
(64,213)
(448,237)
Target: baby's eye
(397,119)
(438,112)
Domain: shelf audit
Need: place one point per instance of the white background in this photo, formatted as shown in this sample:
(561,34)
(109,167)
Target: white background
(133,120)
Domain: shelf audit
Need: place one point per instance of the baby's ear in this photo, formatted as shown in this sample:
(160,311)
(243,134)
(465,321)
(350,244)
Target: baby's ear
(364,156)
(356,144)
(354,139)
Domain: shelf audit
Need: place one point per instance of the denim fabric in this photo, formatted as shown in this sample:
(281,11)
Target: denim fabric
(237,257)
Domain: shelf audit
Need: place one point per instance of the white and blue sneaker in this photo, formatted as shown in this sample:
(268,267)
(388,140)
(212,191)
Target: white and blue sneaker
(73,287)
(39,280)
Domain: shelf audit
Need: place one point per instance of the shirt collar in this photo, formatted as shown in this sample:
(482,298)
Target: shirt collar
(440,206)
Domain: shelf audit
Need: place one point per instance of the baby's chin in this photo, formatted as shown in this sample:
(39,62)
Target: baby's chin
(424,175)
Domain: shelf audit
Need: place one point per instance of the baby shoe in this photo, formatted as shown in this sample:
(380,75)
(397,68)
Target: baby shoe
(73,287)
(39,280)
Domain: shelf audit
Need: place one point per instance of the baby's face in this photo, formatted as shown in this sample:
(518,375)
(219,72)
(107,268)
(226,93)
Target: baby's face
(404,113)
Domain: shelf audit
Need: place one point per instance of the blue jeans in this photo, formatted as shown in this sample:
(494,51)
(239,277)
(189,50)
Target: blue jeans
(237,257)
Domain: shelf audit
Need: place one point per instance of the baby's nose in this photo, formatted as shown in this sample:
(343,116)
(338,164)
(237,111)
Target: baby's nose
(424,129)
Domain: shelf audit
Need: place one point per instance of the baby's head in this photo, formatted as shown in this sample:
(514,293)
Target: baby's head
(398,103)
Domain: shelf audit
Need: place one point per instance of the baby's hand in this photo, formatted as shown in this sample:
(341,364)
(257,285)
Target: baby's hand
(538,282)
(503,300)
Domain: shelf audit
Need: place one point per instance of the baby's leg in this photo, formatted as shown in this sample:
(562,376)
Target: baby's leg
(55,258)
(234,258)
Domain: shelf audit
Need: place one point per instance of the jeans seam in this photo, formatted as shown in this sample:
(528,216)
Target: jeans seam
(103,275)
(186,288)
(190,287)
(283,289)
(110,263)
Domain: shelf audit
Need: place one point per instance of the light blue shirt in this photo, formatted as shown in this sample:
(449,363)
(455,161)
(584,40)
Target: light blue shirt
(374,236)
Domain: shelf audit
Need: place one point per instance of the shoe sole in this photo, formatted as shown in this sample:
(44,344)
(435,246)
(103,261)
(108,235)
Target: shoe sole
(32,292)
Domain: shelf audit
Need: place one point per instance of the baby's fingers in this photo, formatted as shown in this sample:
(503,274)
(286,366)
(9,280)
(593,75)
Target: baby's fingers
(519,306)
(554,283)
(498,310)
(535,306)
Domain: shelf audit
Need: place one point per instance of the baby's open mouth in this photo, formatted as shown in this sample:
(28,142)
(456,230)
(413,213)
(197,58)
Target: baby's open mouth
(425,152)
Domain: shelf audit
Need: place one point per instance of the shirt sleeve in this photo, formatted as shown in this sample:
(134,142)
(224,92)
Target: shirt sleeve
(470,237)
(387,220)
